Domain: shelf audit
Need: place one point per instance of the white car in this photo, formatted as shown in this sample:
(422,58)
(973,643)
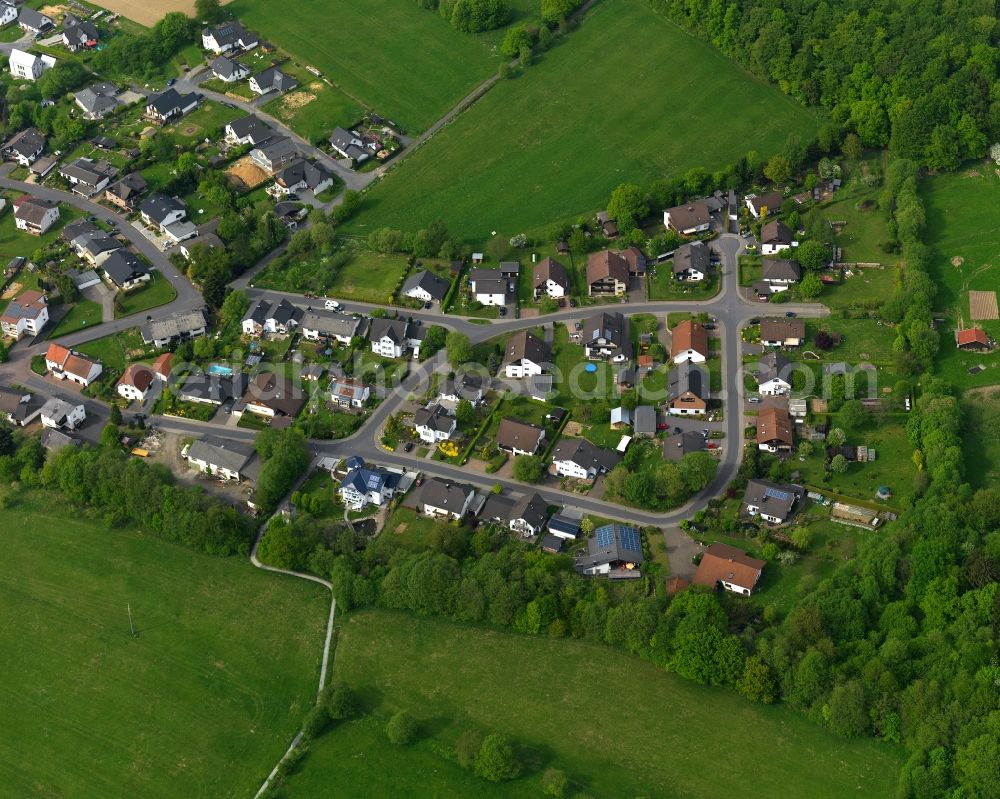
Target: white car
(332,305)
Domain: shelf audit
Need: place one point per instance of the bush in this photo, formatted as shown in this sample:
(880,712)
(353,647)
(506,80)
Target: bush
(341,702)
(554,782)
(467,747)
(290,762)
(401,729)
(495,760)
(315,722)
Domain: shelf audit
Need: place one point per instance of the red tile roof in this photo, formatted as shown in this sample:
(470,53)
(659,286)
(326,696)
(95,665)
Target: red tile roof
(972,335)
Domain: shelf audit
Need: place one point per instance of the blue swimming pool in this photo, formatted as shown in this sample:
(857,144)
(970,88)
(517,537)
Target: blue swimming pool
(219,369)
(590,367)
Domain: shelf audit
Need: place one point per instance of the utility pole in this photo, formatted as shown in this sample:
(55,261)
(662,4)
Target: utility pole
(130,626)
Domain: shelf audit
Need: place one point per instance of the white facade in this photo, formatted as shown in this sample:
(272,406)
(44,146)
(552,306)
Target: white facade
(50,217)
(75,414)
(431,510)
(432,436)
(775,387)
(26,66)
(214,469)
(419,293)
(130,392)
(568,468)
(491,298)
(551,289)
(523,368)
(524,528)
(387,348)
(771,249)
(7,14)
(689,355)
(26,325)
(754,510)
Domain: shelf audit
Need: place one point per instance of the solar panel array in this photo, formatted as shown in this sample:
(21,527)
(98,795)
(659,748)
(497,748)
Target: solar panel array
(629,537)
(774,493)
(605,536)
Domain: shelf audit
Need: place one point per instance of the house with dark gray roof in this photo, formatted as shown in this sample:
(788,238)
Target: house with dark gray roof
(349,145)
(18,407)
(606,337)
(95,248)
(162,211)
(212,389)
(170,105)
(25,146)
(578,458)
(300,175)
(248,130)
(434,424)
(691,261)
(678,445)
(272,80)
(32,21)
(614,550)
(529,514)
(772,502)
(780,274)
(176,327)
(549,278)
(125,271)
(446,498)
(221,457)
(79,34)
(426,286)
(394,338)
(229,35)
(464,386)
(273,153)
(97,100)
(265,316)
(126,192)
(88,176)
(317,324)
(526,355)
(228,69)
(367,485)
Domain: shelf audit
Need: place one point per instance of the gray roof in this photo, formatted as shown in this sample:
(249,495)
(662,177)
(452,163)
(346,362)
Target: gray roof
(274,79)
(226,67)
(282,311)
(252,126)
(83,278)
(89,171)
(610,325)
(27,143)
(694,255)
(298,171)
(95,244)
(532,508)
(781,270)
(34,19)
(330,323)
(122,266)
(445,494)
(173,326)
(434,285)
(221,452)
(774,499)
(524,345)
(128,187)
(33,209)
(57,409)
(464,386)
(584,454)
(159,206)
(496,506)
(79,30)
(55,440)
(687,377)
(613,543)
(436,418)
(230,33)
(94,102)
(171,100)
(395,329)
(79,227)
(644,419)
(678,445)
(276,149)
(213,388)
(771,365)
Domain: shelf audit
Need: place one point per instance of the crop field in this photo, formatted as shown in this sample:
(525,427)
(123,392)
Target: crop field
(402,61)
(663,740)
(201,702)
(552,143)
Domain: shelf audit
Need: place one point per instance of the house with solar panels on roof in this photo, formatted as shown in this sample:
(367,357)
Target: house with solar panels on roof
(772,502)
(614,550)
(364,485)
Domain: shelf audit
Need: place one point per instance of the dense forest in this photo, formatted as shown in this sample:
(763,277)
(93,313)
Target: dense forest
(920,77)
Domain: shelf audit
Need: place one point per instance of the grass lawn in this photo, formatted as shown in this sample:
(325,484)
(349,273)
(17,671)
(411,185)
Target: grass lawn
(314,110)
(533,151)
(14,242)
(862,340)
(237,88)
(455,677)
(159,291)
(208,118)
(85,313)
(575,385)
(403,61)
(410,529)
(118,349)
(368,277)
(201,703)
(662,286)
(981,417)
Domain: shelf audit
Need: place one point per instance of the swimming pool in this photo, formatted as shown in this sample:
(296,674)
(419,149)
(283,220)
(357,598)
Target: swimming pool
(219,369)
(590,367)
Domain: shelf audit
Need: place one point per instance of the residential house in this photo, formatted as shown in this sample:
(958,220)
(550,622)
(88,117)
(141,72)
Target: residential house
(313,372)
(393,338)
(608,225)
(564,527)
(248,130)
(614,550)
(79,34)
(518,437)
(229,70)
(170,105)
(688,219)
(730,568)
(34,22)
(85,279)
(8,12)
(77,228)
(760,206)
(779,275)
(88,176)
(687,390)
(17,407)
(97,100)
(677,445)
(528,516)
(445,498)
(526,355)
(25,315)
(206,237)
(163,365)
(644,421)
(550,279)
(123,270)
(426,286)
(176,327)
(301,176)
(689,342)
(319,324)
(126,192)
(135,382)
(228,36)
(223,458)
(58,413)
(365,485)
(774,374)
(782,332)
(55,440)
(212,389)
(606,337)
(772,502)
(636,259)
(577,457)
(774,429)
(462,387)
(272,80)
(270,395)
(434,424)
(349,393)
(625,379)
(491,286)
(159,210)
(973,339)
(351,145)
(607,274)
(64,364)
(775,237)
(273,153)
(25,147)
(28,66)
(34,215)
(691,261)
(264,316)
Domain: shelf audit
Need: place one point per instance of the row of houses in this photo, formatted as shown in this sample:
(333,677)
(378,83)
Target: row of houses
(279,156)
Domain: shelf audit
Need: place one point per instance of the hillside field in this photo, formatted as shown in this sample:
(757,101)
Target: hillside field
(201,703)
(617,725)
(626,97)
(404,62)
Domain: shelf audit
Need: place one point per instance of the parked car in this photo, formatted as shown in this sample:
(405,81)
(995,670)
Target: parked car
(710,326)
(662,426)
(408,446)
(677,431)
(711,445)
(171,82)
(503,310)
(754,321)
(704,432)
(427,305)
(572,303)
(754,399)
(331,305)
(789,314)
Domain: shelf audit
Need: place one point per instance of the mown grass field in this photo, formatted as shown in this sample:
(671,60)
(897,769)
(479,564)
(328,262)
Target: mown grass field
(627,96)
(201,703)
(158,291)
(617,725)
(981,421)
(314,110)
(404,62)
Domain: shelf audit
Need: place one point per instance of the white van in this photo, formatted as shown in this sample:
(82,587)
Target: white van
(332,305)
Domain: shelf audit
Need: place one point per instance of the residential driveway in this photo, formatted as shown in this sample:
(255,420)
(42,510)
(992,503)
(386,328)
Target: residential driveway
(104,297)
(162,243)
